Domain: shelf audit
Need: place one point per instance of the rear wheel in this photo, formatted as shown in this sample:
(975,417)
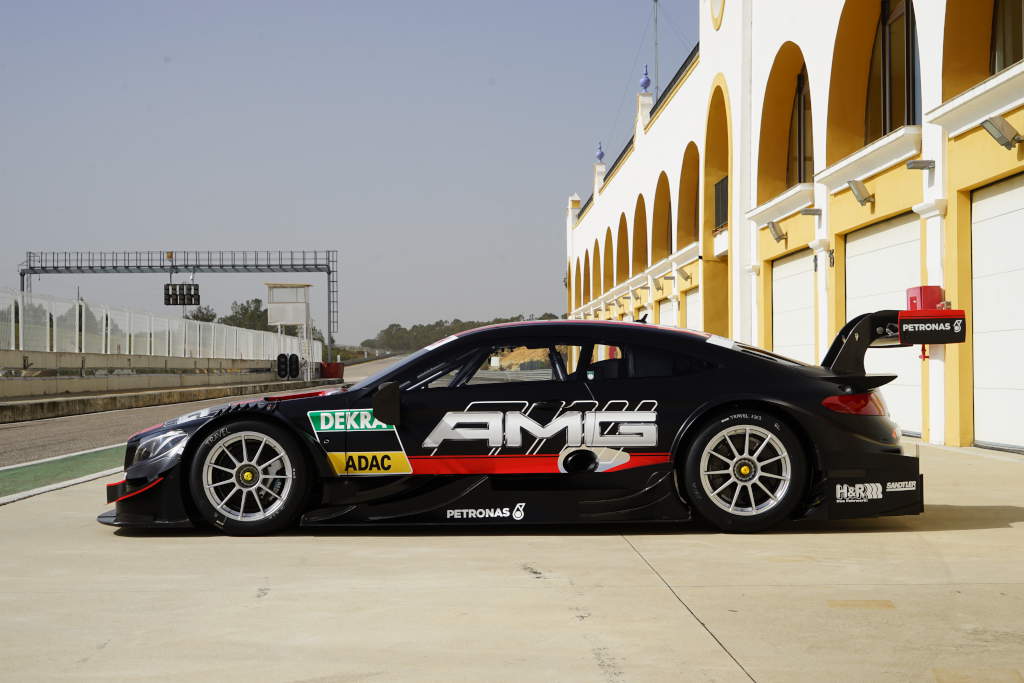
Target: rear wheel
(249,478)
(745,471)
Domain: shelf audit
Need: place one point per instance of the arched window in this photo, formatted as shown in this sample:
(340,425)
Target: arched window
(1007,34)
(894,83)
(800,158)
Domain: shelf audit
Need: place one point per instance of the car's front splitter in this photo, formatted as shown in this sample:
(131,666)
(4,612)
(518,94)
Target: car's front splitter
(147,503)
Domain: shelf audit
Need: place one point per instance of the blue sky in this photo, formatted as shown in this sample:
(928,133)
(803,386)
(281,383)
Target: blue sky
(433,144)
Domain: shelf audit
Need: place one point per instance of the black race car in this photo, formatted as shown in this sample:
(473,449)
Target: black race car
(543,422)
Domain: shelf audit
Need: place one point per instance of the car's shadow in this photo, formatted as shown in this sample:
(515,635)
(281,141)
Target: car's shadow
(935,518)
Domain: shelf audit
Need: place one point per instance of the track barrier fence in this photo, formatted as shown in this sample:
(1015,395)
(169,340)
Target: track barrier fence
(41,322)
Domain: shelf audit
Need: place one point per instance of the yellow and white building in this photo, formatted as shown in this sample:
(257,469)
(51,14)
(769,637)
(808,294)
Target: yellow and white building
(734,209)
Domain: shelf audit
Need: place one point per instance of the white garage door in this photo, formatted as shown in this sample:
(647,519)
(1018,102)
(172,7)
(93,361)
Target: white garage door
(997,216)
(667,313)
(882,262)
(793,306)
(693,317)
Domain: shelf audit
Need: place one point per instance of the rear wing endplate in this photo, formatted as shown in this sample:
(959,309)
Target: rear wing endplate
(878,329)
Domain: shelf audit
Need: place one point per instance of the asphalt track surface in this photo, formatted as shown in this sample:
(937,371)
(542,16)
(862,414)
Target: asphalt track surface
(935,597)
(22,442)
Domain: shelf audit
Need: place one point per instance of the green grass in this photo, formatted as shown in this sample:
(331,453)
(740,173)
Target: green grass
(42,474)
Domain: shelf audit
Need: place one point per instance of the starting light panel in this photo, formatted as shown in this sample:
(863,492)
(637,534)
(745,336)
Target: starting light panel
(184,294)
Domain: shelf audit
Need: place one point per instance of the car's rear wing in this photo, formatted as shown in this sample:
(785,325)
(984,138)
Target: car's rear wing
(878,329)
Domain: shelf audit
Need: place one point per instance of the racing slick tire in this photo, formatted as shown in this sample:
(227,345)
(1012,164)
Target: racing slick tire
(745,471)
(249,478)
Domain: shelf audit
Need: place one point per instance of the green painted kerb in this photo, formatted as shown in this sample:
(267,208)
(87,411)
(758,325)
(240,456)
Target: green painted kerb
(42,474)
(351,420)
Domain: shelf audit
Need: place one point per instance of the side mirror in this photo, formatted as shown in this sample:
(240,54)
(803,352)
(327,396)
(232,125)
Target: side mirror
(387,404)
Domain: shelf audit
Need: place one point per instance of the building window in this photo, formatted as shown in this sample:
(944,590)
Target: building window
(894,83)
(722,202)
(800,160)
(1007,34)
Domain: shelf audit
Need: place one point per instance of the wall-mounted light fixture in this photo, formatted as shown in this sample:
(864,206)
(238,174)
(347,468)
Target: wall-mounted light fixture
(860,192)
(776,231)
(686,276)
(1002,132)
(921,164)
(810,212)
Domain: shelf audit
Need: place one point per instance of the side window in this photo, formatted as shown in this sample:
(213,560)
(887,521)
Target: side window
(649,362)
(606,362)
(518,363)
(570,355)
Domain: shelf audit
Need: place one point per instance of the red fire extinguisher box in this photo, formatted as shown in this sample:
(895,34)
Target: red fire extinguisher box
(928,297)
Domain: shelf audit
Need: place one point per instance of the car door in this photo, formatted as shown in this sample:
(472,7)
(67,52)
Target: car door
(510,408)
(634,379)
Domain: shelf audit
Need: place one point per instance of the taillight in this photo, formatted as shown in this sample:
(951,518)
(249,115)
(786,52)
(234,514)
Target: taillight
(870,403)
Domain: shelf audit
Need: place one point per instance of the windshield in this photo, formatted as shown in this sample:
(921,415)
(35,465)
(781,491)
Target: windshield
(378,376)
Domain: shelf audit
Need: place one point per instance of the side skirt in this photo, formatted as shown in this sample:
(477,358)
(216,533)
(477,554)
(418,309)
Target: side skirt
(641,494)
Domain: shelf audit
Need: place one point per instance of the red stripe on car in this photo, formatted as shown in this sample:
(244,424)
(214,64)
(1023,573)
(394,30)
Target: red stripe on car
(144,488)
(546,463)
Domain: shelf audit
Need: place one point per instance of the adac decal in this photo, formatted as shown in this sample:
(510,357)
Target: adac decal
(350,420)
(611,428)
(370,462)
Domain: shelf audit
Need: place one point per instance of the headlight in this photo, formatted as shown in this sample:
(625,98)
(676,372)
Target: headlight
(163,445)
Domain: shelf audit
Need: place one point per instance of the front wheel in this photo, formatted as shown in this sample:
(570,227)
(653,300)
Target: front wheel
(745,471)
(249,478)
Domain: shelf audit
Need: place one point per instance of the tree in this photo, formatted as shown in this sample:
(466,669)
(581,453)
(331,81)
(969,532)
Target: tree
(250,315)
(204,314)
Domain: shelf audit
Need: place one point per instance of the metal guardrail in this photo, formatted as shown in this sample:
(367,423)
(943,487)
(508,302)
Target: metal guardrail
(667,90)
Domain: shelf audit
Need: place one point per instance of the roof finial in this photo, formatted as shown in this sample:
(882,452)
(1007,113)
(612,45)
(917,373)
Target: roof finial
(645,82)
(600,152)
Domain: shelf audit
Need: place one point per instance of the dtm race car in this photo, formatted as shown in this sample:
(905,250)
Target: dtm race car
(543,422)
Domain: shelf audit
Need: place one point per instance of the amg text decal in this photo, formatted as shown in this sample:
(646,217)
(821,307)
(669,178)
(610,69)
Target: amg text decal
(613,428)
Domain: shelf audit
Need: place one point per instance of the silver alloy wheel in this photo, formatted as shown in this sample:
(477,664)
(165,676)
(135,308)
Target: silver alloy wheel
(247,476)
(745,470)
